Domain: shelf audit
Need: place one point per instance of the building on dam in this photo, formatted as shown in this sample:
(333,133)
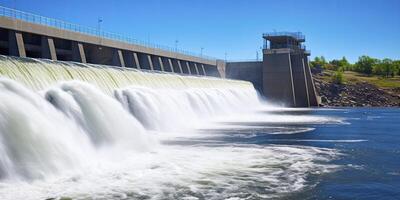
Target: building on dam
(283,75)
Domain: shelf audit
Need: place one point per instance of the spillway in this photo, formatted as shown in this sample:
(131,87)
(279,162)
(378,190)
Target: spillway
(38,74)
(88,131)
(97,106)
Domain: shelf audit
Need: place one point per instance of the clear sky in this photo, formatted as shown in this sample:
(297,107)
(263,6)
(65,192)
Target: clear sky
(333,28)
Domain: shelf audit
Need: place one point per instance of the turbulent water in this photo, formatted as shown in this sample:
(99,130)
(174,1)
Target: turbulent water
(90,132)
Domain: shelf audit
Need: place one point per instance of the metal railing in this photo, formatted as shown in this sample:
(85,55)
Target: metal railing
(55,23)
(245,60)
(297,35)
(287,46)
(282,46)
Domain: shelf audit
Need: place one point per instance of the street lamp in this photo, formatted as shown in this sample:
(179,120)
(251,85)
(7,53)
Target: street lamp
(99,21)
(176,45)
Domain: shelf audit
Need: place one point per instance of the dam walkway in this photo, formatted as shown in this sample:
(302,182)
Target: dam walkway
(25,34)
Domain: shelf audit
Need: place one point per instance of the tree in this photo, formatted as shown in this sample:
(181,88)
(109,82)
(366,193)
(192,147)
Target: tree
(336,64)
(344,64)
(386,68)
(319,62)
(337,77)
(365,64)
(396,66)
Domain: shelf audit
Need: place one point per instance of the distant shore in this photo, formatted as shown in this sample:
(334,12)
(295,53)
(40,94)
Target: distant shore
(357,90)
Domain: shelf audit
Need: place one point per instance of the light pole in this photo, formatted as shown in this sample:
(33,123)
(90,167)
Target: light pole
(201,52)
(176,45)
(99,21)
(256,55)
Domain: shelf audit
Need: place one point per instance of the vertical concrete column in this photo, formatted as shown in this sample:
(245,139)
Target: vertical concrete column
(16,45)
(277,78)
(291,81)
(221,65)
(197,69)
(306,84)
(299,79)
(136,59)
(170,65)
(47,48)
(203,69)
(150,62)
(310,84)
(118,58)
(161,63)
(188,67)
(180,66)
(78,52)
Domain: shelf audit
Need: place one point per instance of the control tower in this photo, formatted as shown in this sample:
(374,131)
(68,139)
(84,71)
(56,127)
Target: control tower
(286,72)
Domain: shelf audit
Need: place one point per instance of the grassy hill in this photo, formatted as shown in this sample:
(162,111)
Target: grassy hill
(357,89)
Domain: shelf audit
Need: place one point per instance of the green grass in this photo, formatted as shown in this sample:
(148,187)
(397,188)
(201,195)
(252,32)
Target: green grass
(386,83)
(354,77)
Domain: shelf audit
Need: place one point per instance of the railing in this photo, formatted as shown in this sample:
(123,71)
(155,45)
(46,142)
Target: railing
(283,46)
(245,60)
(55,23)
(297,35)
(287,46)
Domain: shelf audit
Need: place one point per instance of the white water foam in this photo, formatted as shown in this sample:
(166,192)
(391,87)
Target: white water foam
(172,172)
(75,141)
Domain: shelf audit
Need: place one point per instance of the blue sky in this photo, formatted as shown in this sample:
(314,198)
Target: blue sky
(333,28)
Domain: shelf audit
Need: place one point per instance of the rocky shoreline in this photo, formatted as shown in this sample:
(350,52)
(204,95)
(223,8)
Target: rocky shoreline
(357,94)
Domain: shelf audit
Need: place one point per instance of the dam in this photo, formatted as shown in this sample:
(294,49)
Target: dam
(283,76)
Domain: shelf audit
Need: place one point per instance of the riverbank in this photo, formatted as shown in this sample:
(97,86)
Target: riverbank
(357,90)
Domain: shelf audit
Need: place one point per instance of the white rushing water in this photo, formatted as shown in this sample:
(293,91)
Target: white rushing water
(89,132)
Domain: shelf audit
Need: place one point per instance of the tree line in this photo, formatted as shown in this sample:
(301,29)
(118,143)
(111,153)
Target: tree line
(365,64)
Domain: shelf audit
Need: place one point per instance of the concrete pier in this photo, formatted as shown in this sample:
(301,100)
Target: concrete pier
(78,54)
(16,44)
(48,48)
(278,84)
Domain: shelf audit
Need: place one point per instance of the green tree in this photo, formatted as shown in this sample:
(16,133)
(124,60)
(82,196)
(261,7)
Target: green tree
(365,64)
(344,64)
(385,68)
(333,65)
(336,64)
(337,77)
(396,66)
(318,62)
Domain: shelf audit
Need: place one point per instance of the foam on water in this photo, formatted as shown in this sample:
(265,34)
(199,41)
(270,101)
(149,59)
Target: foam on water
(210,172)
(99,133)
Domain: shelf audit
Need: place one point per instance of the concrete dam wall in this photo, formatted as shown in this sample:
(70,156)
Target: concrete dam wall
(248,71)
(28,35)
(283,76)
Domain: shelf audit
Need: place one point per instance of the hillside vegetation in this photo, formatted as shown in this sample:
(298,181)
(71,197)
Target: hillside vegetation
(368,82)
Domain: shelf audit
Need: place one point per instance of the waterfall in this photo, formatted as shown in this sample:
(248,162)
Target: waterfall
(51,112)
(36,140)
(85,131)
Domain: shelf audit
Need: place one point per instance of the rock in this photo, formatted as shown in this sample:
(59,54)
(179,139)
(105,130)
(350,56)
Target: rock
(354,93)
